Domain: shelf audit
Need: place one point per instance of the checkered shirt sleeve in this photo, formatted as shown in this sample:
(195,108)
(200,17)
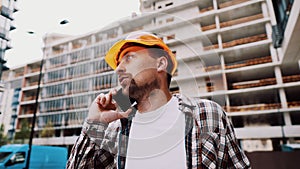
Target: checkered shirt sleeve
(216,140)
(95,147)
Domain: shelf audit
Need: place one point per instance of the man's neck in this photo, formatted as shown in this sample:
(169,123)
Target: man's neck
(153,100)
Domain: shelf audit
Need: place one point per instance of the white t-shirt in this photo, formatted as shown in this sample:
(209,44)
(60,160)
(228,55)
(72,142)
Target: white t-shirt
(156,139)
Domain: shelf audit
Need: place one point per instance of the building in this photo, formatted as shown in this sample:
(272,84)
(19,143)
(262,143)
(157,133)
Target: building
(235,52)
(7,8)
(10,99)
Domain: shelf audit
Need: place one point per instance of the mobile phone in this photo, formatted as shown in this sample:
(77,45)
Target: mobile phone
(123,101)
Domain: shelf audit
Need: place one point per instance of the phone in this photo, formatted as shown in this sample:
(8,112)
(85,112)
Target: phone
(123,101)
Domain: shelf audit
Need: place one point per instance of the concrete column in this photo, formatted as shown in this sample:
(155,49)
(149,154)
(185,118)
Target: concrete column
(280,54)
(269,30)
(274,55)
(227,101)
(282,97)
(93,39)
(217,20)
(215,4)
(70,46)
(278,75)
(220,41)
(270,11)
(265,10)
(62,133)
(287,118)
(222,60)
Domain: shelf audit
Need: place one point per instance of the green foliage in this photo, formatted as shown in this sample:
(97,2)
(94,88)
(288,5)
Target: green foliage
(24,133)
(3,139)
(48,130)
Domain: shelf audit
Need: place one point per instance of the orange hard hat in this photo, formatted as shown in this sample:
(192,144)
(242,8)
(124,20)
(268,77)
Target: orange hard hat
(144,38)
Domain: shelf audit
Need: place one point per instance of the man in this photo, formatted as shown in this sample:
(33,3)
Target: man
(165,131)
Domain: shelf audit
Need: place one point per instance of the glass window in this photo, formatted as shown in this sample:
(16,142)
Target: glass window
(3,156)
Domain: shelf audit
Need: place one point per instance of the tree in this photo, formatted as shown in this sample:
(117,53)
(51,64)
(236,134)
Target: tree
(3,139)
(24,133)
(48,130)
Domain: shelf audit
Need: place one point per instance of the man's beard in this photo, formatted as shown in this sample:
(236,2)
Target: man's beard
(138,92)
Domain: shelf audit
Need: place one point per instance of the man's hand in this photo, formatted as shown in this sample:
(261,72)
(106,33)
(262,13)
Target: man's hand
(104,109)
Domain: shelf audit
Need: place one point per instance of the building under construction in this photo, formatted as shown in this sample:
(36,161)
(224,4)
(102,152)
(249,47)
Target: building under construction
(242,54)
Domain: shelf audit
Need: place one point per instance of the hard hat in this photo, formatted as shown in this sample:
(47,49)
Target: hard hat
(144,38)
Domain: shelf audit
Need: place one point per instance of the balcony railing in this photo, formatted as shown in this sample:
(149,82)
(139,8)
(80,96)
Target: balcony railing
(246,40)
(250,62)
(294,104)
(264,82)
(28,98)
(206,9)
(253,107)
(241,20)
(231,3)
(212,68)
(210,47)
(291,78)
(32,84)
(237,42)
(254,83)
(258,107)
(208,27)
(233,22)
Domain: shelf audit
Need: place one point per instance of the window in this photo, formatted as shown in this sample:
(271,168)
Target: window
(56,75)
(19,157)
(80,70)
(78,86)
(55,90)
(3,156)
(57,61)
(53,105)
(81,55)
(77,102)
(75,118)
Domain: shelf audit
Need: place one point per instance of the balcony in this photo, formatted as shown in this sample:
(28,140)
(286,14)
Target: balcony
(264,82)
(254,83)
(293,104)
(209,25)
(253,107)
(245,40)
(249,62)
(212,68)
(26,112)
(241,20)
(291,78)
(29,98)
(6,12)
(230,3)
(205,6)
(29,84)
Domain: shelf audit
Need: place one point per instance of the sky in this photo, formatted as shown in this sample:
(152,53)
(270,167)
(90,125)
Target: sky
(43,16)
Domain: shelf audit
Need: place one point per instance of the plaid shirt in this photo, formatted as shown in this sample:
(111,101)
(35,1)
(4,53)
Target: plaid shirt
(210,141)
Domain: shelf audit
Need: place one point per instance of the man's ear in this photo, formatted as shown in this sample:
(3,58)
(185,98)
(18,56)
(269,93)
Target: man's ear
(162,64)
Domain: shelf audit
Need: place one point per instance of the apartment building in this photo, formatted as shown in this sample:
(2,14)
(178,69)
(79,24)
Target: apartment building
(7,8)
(227,52)
(10,99)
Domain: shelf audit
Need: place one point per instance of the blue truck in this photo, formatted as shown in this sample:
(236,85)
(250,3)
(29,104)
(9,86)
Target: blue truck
(14,156)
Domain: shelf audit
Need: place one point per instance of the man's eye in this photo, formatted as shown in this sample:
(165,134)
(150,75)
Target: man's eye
(129,57)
